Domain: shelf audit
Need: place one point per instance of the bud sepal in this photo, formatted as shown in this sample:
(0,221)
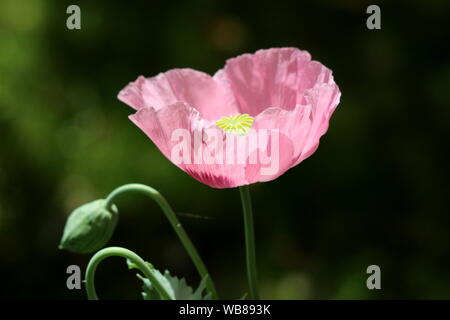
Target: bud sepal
(89,227)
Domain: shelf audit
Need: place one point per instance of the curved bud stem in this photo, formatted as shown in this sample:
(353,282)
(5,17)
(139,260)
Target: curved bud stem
(179,230)
(125,253)
(249,241)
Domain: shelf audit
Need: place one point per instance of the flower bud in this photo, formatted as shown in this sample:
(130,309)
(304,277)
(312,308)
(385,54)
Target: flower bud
(89,227)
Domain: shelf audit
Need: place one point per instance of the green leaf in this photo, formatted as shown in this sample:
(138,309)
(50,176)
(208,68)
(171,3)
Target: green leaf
(177,288)
(149,292)
(183,291)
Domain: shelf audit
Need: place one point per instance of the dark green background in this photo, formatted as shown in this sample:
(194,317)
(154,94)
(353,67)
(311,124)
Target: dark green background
(375,192)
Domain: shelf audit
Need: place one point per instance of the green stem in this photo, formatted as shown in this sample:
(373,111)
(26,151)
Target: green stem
(179,230)
(249,241)
(125,253)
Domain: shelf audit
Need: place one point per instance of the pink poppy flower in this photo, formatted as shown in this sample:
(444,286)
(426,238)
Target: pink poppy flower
(259,116)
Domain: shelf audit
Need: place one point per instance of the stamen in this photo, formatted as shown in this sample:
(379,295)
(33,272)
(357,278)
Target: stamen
(239,124)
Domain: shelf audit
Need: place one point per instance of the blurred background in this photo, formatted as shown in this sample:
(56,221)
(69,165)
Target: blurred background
(375,192)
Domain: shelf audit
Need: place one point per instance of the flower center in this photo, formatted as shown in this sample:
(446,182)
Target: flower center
(239,124)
